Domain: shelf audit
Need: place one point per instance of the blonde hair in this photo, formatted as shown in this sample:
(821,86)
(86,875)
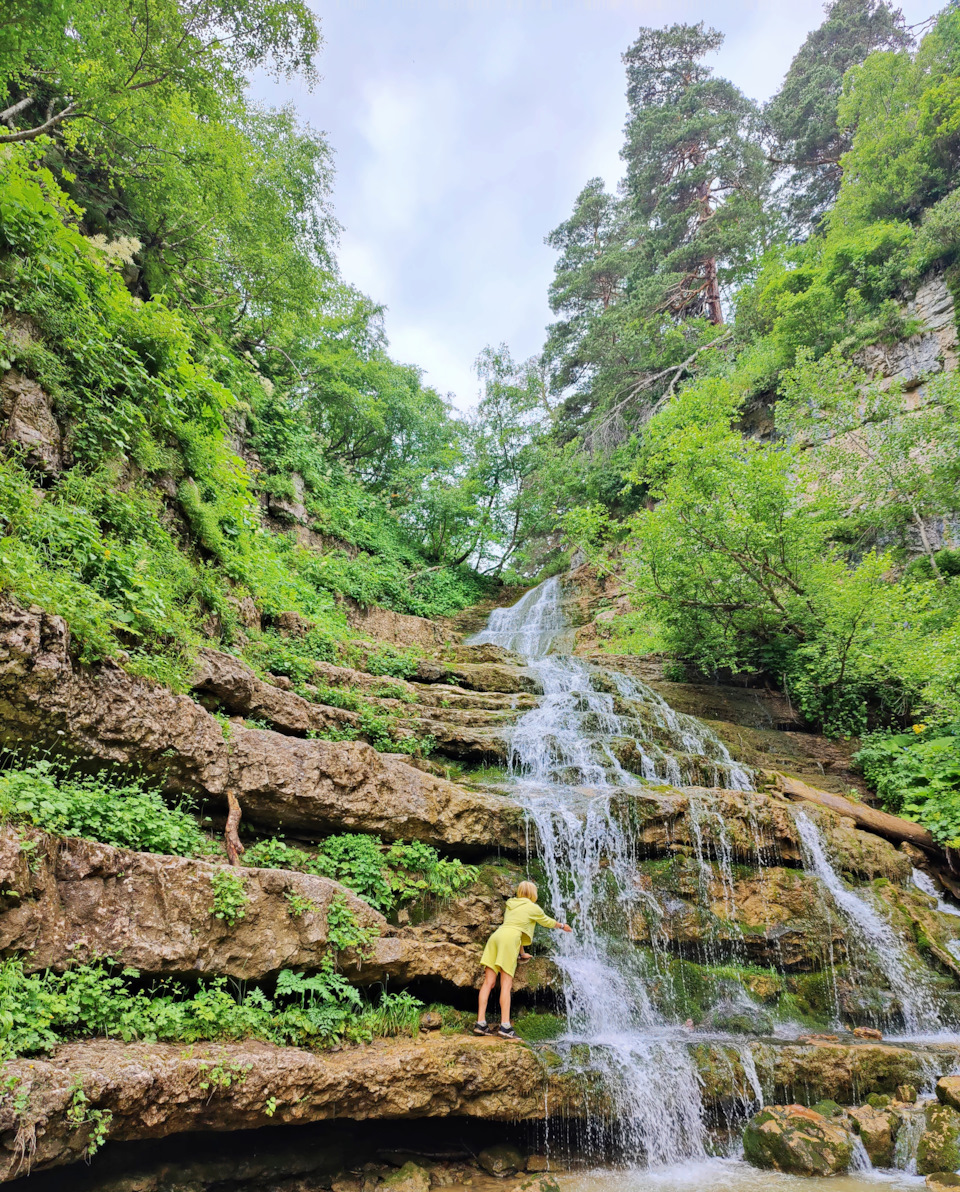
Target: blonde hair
(527,890)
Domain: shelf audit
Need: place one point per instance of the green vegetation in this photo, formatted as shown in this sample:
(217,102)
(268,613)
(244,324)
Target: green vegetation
(769,505)
(917,775)
(229,896)
(123,812)
(386,876)
(40,1011)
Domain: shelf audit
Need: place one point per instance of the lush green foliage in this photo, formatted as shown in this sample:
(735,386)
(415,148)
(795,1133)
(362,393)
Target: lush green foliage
(785,553)
(121,811)
(917,775)
(39,1011)
(385,876)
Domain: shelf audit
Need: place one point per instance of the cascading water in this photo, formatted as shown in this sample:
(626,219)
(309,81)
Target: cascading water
(872,932)
(567,776)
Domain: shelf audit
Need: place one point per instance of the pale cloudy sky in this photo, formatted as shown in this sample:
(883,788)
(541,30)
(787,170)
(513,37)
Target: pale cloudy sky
(463,131)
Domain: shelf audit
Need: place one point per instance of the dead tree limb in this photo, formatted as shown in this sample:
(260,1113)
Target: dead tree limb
(231,834)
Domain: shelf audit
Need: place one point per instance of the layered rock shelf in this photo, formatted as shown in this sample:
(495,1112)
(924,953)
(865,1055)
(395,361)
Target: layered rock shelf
(151,1091)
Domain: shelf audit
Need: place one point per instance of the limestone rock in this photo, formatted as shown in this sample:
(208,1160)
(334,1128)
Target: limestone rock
(948,1091)
(292,624)
(29,422)
(409,1178)
(104,714)
(239,691)
(538,1163)
(501,1160)
(80,900)
(157,1090)
(939,1146)
(485,652)
(796,1140)
(940,1181)
(493,676)
(400,629)
(876,1132)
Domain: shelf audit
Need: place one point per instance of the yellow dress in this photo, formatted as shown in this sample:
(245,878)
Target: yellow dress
(503,947)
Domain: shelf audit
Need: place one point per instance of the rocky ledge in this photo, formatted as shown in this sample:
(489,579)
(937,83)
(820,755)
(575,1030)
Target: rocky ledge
(144,1091)
(65,901)
(137,1091)
(103,714)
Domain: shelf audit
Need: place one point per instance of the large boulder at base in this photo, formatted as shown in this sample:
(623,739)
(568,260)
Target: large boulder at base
(796,1140)
(501,1160)
(875,1127)
(409,1178)
(939,1147)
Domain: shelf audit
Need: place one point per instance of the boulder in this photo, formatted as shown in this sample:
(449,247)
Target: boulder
(939,1146)
(493,676)
(27,413)
(940,1181)
(948,1091)
(103,714)
(876,1130)
(238,690)
(501,1160)
(538,1163)
(796,1140)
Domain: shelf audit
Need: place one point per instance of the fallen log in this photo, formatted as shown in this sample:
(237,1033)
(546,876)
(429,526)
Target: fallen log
(892,827)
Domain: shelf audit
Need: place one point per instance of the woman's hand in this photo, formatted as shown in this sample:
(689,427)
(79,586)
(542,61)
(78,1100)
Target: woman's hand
(565,927)
(525,956)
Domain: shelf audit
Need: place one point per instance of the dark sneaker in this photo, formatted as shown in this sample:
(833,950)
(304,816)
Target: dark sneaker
(481,1028)
(507,1032)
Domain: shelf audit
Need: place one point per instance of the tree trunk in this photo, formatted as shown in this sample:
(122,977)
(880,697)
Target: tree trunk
(892,827)
(231,834)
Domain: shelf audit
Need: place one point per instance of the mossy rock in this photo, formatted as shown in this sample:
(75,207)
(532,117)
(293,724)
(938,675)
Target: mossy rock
(538,1028)
(939,1148)
(502,1159)
(797,1141)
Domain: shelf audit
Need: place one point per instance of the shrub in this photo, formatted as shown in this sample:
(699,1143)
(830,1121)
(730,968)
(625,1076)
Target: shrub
(124,813)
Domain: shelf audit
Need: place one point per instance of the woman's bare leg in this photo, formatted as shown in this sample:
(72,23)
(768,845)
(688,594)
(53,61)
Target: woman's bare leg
(489,980)
(506,986)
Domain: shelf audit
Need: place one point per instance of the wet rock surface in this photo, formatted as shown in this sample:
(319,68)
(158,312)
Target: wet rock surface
(797,1140)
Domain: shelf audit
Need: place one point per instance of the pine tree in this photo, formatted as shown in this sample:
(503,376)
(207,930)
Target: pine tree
(802,116)
(696,173)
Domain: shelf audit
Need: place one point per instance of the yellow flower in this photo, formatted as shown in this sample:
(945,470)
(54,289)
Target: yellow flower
(918,728)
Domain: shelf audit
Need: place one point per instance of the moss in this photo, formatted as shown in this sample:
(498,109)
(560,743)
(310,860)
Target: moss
(536,1028)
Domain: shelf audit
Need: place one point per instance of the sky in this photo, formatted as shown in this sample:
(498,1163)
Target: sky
(463,131)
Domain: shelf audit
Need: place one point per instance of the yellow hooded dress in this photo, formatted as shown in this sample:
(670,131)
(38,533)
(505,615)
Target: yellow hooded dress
(503,947)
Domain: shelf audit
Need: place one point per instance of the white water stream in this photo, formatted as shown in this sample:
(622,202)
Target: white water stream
(568,758)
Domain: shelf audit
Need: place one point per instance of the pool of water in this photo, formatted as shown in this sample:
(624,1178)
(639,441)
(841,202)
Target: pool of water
(730,1175)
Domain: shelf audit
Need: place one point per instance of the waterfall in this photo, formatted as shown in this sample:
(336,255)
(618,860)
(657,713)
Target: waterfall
(871,931)
(567,774)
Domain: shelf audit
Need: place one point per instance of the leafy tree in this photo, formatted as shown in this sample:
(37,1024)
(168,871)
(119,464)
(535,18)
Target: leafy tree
(802,116)
(904,113)
(84,61)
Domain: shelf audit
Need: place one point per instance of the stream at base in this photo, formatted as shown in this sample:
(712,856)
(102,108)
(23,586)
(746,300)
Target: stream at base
(730,1175)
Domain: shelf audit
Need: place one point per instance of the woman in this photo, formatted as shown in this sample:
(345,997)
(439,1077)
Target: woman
(503,950)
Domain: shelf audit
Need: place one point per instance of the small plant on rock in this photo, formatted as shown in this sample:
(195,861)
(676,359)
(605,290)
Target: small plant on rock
(229,896)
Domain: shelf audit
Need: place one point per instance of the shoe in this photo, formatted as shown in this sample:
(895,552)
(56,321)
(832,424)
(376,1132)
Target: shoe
(481,1028)
(507,1032)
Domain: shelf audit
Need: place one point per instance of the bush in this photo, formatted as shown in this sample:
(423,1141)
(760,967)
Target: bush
(917,775)
(383,876)
(125,813)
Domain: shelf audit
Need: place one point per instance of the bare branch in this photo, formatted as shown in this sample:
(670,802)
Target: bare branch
(31,134)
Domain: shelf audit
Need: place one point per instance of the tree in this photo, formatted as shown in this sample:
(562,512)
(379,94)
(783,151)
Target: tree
(96,63)
(696,174)
(802,116)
